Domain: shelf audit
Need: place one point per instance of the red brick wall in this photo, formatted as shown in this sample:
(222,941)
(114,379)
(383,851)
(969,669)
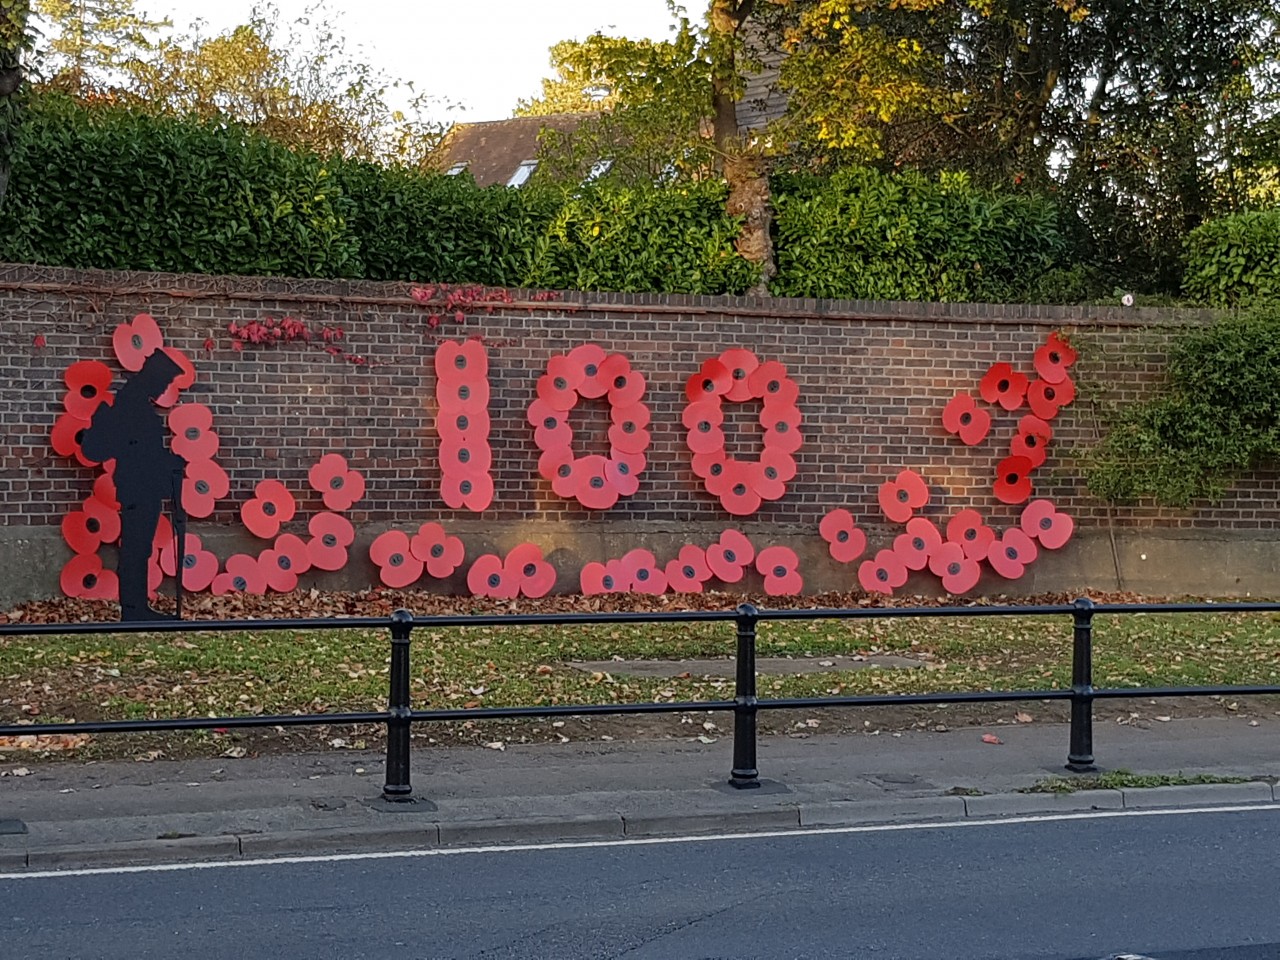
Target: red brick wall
(873,379)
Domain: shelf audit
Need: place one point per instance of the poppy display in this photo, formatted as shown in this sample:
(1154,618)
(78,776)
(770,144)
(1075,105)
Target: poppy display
(1003,385)
(203,485)
(338,485)
(271,506)
(88,384)
(729,557)
(1032,440)
(192,427)
(1054,359)
(1045,399)
(467,493)
(88,528)
(489,578)
(884,573)
(968,530)
(285,561)
(1013,481)
(84,577)
(331,534)
(440,553)
(1044,523)
(959,573)
(902,496)
(918,544)
(963,417)
(533,576)
(780,568)
(242,574)
(1010,554)
(688,571)
(641,570)
(398,566)
(133,342)
(738,375)
(845,541)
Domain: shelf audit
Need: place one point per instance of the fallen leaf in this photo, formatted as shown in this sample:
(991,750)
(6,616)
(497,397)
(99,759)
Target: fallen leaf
(543,670)
(496,745)
(235,753)
(991,738)
(21,772)
(703,738)
(1164,719)
(1023,717)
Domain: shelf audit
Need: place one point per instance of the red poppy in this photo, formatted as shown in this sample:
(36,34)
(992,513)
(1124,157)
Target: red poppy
(772,417)
(205,484)
(688,571)
(474,493)
(1032,440)
(704,438)
(628,433)
(713,379)
(594,491)
(722,473)
(963,417)
(439,552)
(534,576)
(704,463)
(242,575)
(488,578)
(163,536)
(199,566)
(901,497)
(181,382)
(1054,359)
(640,570)
(104,488)
(88,528)
(272,505)
(959,573)
(469,397)
(1003,385)
(134,342)
(623,475)
(624,385)
(88,383)
(845,542)
(779,567)
(769,382)
(1043,522)
(1046,399)
(338,485)
(66,436)
(1013,485)
(193,437)
(884,574)
(1010,554)
(461,361)
(397,565)
(783,438)
(550,426)
(331,534)
(459,426)
(729,557)
(589,356)
(558,387)
(285,561)
(740,498)
(694,414)
(783,464)
(465,458)
(967,529)
(918,544)
(84,577)
(563,470)
(597,578)
(740,364)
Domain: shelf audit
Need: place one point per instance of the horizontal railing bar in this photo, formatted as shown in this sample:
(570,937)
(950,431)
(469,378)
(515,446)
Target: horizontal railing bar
(191,723)
(908,699)
(570,710)
(1120,693)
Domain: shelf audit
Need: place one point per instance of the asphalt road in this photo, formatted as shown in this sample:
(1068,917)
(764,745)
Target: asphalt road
(1176,887)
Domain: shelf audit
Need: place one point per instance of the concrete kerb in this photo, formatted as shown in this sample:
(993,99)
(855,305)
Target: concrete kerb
(418,835)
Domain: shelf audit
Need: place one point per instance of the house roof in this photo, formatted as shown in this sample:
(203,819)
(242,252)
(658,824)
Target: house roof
(494,150)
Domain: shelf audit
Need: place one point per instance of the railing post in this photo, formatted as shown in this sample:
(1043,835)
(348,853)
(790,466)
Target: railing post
(745,775)
(397,786)
(1080,756)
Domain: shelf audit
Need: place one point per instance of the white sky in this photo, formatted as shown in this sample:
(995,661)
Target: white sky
(481,54)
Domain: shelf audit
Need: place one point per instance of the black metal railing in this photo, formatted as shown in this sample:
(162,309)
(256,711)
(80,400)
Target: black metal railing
(400,716)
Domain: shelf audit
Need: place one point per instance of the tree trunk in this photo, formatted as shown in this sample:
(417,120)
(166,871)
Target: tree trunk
(13,42)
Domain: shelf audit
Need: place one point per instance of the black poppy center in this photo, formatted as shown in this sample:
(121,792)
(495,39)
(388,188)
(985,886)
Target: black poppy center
(189,561)
(717,469)
(135,341)
(437,550)
(779,571)
(191,433)
(1011,553)
(903,496)
(708,385)
(623,469)
(642,574)
(1049,393)
(773,386)
(607,582)
(591,369)
(88,391)
(917,543)
(90,581)
(465,487)
(464,455)
(464,392)
(731,556)
(561,383)
(1053,357)
(202,487)
(688,572)
(269,509)
(1031,440)
(771,473)
(597,483)
(93,525)
(462,422)
(564,470)
(882,574)
(1011,478)
(739,489)
(842,536)
(460,362)
(80,436)
(971,534)
(704,426)
(284,563)
(1003,385)
(619,382)
(628,427)
(551,423)
(782,426)
(336,483)
(329,540)
(739,373)
(396,560)
(966,419)
(240,583)
(1045,523)
(495,580)
(953,568)
(530,569)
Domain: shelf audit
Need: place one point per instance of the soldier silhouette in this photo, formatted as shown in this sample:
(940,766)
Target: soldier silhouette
(131,431)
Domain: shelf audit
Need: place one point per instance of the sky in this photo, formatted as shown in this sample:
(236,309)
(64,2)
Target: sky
(480,55)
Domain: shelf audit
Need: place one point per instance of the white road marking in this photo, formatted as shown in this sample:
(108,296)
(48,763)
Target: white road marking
(635,841)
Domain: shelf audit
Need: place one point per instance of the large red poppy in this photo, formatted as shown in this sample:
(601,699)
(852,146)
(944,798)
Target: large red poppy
(1043,522)
(285,561)
(488,578)
(641,570)
(1003,385)
(68,431)
(242,575)
(589,356)
(1032,440)
(1054,359)
(902,496)
(1013,483)
(84,577)
(193,437)
(770,383)
(88,384)
(551,428)
(688,571)
(271,506)
(469,397)
(199,566)
(963,417)
(974,537)
(473,493)
(705,438)
(702,415)
(439,552)
(918,544)
(741,363)
(331,534)
(338,485)
(739,497)
(1010,554)
(729,556)
(558,387)
(780,568)
(1046,399)
(624,385)
(882,574)
(134,342)
(713,379)
(104,486)
(181,382)
(845,542)
(594,490)
(204,485)
(628,433)
(465,459)
(597,578)
(783,437)
(524,565)
(769,477)
(397,565)
(88,528)
(623,473)
(459,426)
(461,361)
(959,573)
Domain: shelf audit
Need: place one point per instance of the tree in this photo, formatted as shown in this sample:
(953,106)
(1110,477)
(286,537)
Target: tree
(15,42)
(89,41)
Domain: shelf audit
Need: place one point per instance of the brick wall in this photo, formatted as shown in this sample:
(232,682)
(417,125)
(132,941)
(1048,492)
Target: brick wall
(873,380)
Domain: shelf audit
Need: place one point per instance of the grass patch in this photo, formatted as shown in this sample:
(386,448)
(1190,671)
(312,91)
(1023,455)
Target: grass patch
(1124,780)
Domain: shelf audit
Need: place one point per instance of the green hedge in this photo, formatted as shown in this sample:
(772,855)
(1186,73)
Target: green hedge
(1235,260)
(864,235)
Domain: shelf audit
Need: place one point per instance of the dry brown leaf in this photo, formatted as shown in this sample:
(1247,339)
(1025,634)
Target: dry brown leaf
(1023,717)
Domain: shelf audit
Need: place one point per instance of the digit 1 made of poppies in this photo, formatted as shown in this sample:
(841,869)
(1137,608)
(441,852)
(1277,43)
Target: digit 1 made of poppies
(462,393)
(588,372)
(738,376)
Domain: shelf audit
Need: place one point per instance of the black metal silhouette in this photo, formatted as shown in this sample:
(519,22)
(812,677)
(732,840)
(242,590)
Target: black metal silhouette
(131,431)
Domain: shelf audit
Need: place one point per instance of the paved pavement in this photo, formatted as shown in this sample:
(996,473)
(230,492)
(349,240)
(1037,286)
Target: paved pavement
(67,815)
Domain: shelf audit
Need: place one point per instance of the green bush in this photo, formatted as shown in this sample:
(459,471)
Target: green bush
(869,236)
(1219,415)
(636,240)
(1235,260)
